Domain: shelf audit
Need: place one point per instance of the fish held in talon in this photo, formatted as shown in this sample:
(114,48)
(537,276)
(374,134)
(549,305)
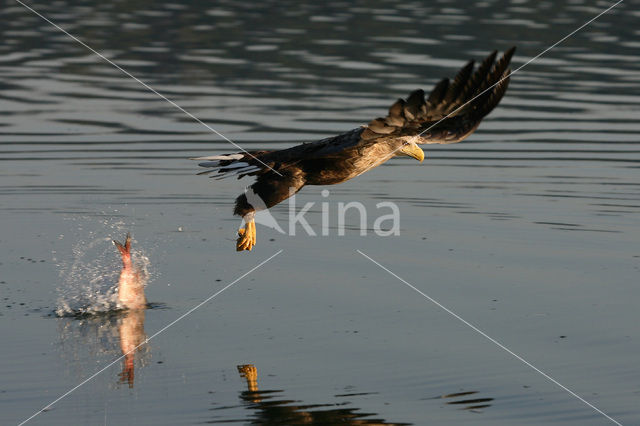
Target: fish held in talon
(132,279)
(450,113)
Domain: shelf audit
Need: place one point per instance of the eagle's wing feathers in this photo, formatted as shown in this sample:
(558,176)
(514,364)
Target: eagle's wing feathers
(453,109)
(240,164)
(257,163)
(450,113)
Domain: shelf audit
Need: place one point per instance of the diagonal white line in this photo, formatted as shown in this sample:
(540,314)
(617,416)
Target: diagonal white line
(500,345)
(522,66)
(513,72)
(52,403)
(151,89)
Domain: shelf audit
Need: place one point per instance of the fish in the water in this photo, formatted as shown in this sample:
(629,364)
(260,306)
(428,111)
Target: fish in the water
(132,279)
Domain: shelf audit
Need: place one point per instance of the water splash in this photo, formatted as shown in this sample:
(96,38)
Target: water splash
(90,276)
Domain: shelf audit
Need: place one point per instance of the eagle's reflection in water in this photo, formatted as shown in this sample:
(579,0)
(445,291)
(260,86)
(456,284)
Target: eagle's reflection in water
(468,400)
(268,409)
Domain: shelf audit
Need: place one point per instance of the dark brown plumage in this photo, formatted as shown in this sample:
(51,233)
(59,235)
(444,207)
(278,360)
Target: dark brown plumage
(452,111)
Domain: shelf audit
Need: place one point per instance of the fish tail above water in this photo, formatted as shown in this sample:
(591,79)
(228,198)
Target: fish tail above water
(125,250)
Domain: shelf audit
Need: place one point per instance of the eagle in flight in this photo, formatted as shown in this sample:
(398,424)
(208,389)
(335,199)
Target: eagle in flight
(452,111)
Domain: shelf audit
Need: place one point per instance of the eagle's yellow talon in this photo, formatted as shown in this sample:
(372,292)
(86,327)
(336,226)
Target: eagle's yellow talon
(246,237)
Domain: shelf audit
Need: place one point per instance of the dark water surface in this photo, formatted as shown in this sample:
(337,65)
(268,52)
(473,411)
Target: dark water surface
(529,230)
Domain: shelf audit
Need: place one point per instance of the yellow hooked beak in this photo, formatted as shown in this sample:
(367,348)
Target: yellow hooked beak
(413,150)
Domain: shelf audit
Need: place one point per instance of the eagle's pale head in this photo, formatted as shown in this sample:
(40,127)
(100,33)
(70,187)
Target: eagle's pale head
(410,147)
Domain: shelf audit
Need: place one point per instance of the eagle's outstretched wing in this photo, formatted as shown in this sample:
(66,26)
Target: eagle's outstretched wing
(453,110)
(279,162)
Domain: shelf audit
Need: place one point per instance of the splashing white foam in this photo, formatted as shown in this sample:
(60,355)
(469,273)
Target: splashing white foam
(90,276)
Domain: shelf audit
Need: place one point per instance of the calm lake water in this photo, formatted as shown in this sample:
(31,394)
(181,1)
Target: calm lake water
(529,230)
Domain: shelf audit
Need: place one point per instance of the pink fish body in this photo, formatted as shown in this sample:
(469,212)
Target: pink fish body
(132,279)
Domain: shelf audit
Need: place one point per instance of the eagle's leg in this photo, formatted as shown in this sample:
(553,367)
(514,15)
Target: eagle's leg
(268,191)
(247,235)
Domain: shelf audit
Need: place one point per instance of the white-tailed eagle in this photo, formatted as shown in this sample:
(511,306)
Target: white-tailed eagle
(452,111)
